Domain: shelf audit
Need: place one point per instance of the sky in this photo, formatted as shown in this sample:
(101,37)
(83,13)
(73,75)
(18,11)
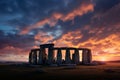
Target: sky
(93,24)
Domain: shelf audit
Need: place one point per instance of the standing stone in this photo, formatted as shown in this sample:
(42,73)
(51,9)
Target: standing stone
(89,56)
(44,55)
(59,57)
(30,57)
(50,55)
(84,56)
(67,57)
(77,56)
(40,59)
(43,58)
(35,57)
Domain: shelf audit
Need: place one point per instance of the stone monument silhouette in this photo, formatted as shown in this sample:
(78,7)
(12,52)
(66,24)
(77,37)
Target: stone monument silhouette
(39,56)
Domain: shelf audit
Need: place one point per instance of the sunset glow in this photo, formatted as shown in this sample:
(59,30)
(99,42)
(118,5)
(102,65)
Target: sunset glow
(103,59)
(93,24)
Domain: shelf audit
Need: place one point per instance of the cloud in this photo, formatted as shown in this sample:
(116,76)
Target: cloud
(42,38)
(108,46)
(105,18)
(94,24)
(102,6)
(16,41)
(53,19)
(69,39)
(83,9)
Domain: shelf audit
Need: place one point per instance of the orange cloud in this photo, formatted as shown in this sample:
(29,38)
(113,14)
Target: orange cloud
(52,20)
(109,47)
(42,37)
(83,9)
(68,38)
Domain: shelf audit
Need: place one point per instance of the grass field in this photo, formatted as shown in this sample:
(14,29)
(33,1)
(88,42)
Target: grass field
(109,71)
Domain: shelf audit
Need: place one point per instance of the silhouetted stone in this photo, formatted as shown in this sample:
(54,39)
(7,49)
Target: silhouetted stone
(39,56)
(86,56)
(67,57)
(30,57)
(76,56)
(59,57)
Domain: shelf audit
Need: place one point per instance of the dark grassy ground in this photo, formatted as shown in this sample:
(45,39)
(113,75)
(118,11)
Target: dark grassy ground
(109,71)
